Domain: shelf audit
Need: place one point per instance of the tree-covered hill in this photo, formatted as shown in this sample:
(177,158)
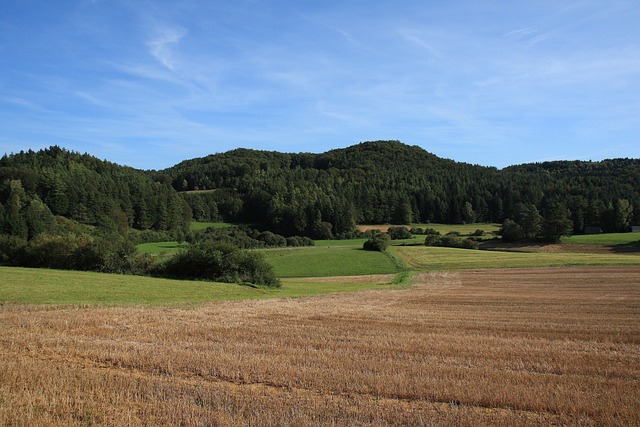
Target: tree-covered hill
(318,195)
(34,186)
(390,182)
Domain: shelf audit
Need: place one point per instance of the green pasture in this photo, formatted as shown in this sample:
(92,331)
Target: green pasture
(606,239)
(326,261)
(428,258)
(59,287)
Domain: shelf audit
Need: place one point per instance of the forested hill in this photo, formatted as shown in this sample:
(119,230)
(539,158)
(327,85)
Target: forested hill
(318,195)
(389,182)
(36,186)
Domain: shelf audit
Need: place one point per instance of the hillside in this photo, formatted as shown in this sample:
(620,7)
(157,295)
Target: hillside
(319,195)
(34,186)
(390,182)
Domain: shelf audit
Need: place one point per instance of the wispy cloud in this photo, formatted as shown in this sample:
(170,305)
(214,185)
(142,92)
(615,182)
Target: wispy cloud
(421,38)
(163,43)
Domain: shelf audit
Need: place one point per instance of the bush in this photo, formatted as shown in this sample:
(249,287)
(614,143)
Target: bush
(11,249)
(399,233)
(379,242)
(511,231)
(220,262)
(451,241)
(432,240)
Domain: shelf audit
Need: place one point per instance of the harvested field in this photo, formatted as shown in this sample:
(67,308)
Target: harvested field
(492,347)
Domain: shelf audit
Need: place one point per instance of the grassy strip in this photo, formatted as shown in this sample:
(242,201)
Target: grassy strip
(425,258)
(42,286)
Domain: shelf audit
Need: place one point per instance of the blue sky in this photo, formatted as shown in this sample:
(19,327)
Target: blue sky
(152,83)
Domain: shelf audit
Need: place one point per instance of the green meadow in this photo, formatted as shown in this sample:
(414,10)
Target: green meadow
(607,239)
(325,261)
(60,287)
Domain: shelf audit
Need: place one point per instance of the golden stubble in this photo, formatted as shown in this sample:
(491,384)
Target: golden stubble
(487,347)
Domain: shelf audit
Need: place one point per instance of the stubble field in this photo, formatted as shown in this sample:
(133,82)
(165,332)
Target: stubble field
(490,347)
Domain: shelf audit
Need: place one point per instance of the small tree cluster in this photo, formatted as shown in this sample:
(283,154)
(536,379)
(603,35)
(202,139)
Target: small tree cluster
(450,240)
(248,238)
(531,225)
(110,254)
(220,262)
(379,242)
(399,233)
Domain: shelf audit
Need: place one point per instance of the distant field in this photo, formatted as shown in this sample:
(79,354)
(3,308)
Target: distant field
(322,261)
(603,239)
(42,286)
(427,258)
(510,347)
(465,229)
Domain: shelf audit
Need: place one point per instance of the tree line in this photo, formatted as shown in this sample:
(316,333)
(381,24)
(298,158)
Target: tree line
(315,195)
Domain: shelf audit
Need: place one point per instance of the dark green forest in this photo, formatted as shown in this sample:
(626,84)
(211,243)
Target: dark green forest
(317,195)
(387,182)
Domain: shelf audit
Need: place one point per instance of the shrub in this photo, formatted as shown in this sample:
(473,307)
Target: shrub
(511,231)
(398,233)
(432,240)
(220,262)
(451,241)
(379,242)
(11,249)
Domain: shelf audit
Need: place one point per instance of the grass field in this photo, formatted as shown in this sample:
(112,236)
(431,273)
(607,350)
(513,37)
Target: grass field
(321,261)
(493,347)
(427,258)
(610,239)
(42,286)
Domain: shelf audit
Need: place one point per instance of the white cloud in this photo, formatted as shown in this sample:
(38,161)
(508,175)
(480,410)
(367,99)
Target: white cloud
(162,45)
